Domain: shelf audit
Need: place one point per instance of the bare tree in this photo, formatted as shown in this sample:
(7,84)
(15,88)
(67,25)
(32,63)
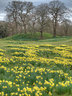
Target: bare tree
(57,10)
(24,13)
(12,12)
(42,14)
(33,21)
(18,12)
(66,24)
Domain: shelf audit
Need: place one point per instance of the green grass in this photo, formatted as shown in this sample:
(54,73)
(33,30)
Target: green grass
(29,36)
(35,39)
(23,58)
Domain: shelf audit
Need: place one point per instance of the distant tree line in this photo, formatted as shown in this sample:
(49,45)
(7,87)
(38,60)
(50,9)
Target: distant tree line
(24,17)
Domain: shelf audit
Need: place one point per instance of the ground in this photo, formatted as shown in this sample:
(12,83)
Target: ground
(36,68)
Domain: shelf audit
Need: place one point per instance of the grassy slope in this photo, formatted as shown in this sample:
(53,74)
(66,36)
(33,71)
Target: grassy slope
(35,39)
(20,40)
(29,36)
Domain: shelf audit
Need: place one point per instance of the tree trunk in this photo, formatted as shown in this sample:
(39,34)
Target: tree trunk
(34,27)
(16,28)
(25,29)
(16,25)
(54,28)
(54,34)
(41,34)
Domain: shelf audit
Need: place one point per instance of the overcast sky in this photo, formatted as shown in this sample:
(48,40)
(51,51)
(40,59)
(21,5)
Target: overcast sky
(3,4)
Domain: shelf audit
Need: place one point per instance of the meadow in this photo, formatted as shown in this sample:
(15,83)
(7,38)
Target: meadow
(36,68)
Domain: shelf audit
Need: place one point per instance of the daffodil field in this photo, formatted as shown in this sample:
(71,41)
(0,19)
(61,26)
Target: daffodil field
(36,70)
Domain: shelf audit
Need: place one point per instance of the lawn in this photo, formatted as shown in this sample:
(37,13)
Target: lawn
(36,68)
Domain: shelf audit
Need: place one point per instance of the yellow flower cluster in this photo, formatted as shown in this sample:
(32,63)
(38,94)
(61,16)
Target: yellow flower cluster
(35,70)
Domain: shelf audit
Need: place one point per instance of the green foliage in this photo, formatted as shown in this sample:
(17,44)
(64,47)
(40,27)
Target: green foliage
(3,31)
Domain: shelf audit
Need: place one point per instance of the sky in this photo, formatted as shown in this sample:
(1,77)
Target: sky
(3,4)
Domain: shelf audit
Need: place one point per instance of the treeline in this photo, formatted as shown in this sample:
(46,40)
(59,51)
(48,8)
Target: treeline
(25,17)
